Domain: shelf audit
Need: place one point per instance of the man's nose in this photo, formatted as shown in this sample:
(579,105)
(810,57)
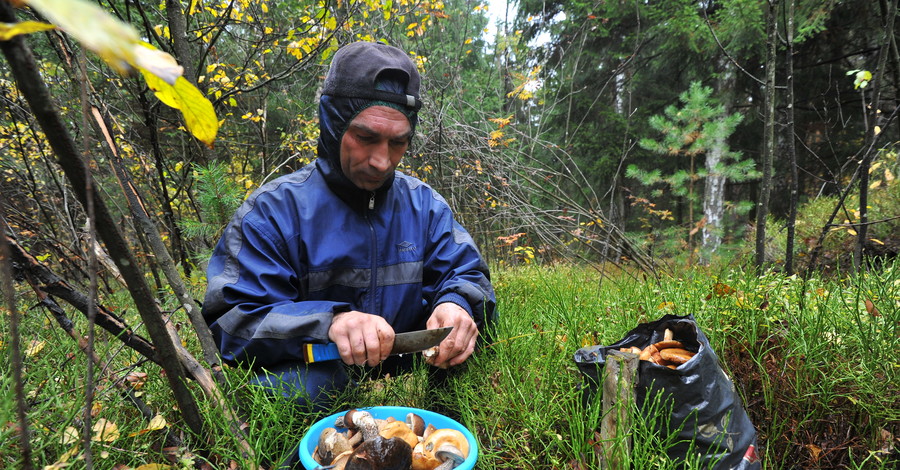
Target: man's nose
(380,158)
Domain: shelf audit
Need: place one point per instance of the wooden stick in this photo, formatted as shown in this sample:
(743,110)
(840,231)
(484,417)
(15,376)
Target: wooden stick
(620,376)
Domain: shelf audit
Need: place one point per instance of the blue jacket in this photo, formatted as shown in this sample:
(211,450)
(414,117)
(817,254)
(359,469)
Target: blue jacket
(297,252)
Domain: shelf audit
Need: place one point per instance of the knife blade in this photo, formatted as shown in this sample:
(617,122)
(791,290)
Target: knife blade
(404,343)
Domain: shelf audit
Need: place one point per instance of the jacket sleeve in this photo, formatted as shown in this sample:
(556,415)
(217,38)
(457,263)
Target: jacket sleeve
(454,270)
(254,300)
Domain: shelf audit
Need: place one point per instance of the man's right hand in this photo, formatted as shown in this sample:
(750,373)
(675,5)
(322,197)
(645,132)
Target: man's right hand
(361,338)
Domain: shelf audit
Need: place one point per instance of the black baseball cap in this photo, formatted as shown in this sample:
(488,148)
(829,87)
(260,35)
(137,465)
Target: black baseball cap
(356,66)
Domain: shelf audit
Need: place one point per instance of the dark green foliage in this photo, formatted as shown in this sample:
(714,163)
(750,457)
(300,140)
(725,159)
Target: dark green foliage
(218,196)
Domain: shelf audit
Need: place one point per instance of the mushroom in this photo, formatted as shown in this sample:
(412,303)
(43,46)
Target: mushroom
(381,454)
(447,446)
(421,461)
(340,462)
(331,444)
(416,424)
(428,430)
(401,430)
(363,422)
(450,456)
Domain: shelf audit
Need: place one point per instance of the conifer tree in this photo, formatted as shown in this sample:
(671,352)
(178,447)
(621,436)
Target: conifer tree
(699,128)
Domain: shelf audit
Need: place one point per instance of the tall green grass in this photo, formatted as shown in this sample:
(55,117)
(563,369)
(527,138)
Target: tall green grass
(815,362)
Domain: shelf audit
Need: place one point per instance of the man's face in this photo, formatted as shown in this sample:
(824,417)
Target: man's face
(373,145)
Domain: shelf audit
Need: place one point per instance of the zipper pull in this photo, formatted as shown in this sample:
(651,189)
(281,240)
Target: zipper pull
(372,201)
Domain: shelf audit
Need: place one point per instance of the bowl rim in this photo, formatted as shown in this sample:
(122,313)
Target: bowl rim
(310,439)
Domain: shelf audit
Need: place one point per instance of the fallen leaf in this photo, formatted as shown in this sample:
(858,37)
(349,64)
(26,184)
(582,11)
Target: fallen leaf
(96,408)
(34,348)
(105,431)
(157,423)
(70,436)
(870,307)
(815,451)
(136,379)
(721,289)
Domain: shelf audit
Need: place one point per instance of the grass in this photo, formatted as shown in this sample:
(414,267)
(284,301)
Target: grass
(814,362)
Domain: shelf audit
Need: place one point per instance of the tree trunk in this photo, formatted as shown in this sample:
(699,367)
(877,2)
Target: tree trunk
(888,13)
(789,134)
(765,186)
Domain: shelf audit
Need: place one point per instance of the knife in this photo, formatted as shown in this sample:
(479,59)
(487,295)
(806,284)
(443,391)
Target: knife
(404,343)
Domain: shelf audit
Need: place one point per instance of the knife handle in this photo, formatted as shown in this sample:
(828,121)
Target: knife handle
(314,352)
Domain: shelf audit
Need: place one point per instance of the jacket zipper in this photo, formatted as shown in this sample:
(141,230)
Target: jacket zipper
(374,254)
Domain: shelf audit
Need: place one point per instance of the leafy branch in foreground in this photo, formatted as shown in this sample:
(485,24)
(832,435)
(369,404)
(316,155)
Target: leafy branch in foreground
(120,46)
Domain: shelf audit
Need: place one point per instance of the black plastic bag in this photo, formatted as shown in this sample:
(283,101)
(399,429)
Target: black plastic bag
(706,408)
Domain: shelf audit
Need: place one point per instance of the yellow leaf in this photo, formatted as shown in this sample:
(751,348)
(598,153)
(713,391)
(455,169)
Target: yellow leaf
(11,30)
(888,176)
(877,130)
(94,28)
(157,423)
(105,431)
(153,466)
(34,348)
(70,436)
(157,62)
(876,184)
(851,231)
(199,115)
(877,241)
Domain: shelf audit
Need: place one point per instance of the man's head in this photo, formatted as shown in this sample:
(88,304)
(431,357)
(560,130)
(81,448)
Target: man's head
(368,108)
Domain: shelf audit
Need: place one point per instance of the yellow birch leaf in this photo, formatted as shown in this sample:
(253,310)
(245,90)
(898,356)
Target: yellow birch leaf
(876,184)
(157,423)
(157,62)
(888,176)
(851,231)
(34,348)
(153,466)
(199,114)
(70,436)
(94,28)
(105,431)
(11,30)
(877,130)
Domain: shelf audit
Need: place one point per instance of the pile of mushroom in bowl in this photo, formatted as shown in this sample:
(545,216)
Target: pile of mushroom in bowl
(388,438)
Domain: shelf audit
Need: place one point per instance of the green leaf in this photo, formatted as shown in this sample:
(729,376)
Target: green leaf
(11,30)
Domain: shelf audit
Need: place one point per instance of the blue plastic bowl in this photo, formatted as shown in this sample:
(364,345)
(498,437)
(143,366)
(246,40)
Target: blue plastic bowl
(311,438)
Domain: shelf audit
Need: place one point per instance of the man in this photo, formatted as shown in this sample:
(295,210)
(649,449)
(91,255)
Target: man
(347,250)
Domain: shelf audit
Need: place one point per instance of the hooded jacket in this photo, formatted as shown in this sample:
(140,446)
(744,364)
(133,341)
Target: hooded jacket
(311,244)
(296,253)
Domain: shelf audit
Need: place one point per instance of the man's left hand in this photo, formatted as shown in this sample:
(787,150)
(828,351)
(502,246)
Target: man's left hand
(460,344)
